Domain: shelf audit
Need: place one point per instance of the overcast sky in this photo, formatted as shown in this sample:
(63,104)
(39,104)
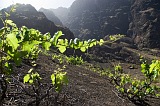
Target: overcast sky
(38,3)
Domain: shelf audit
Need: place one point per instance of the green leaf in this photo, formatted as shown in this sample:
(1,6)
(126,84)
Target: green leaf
(61,42)
(7,14)
(56,36)
(46,36)
(101,42)
(12,41)
(17,58)
(28,45)
(53,78)
(83,49)
(10,22)
(2,31)
(26,78)
(30,70)
(9,68)
(62,49)
(71,43)
(65,79)
(46,45)
(76,41)
(157,95)
(31,81)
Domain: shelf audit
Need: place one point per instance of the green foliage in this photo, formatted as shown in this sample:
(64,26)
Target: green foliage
(116,37)
(77,44)
(59,79)
(31,77)
(60,58)
(134,88)
(75,60)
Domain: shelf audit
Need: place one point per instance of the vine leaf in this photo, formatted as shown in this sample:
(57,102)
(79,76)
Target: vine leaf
(10,22)
(62,49)
(2,30)
(17,58)
(83,49)
(12,41)
(28,45)
(56,36)
(53,78)
(46,45)
(26,78)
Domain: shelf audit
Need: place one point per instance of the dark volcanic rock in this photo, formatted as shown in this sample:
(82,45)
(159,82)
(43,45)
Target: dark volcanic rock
(51,16)
(145,25)
(98,18)
(27,15)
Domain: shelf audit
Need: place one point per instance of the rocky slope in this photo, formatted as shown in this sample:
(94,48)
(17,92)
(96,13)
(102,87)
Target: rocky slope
(51,16)
(27,15)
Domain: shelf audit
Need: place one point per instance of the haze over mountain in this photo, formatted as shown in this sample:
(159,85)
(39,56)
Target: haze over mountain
(38,3)
(61,13)
(51,16)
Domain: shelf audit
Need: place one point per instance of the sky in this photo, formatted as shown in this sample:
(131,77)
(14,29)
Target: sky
(38,3)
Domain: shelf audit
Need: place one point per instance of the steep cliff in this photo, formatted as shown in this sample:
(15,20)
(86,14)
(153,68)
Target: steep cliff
(27,15)
(145,23)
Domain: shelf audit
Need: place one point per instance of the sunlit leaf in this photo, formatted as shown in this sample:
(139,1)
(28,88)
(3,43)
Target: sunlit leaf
(26,78)
(62,49)
(30,81)
(53,78)
(56,36)
(46,45)
(12,41)
(83,49)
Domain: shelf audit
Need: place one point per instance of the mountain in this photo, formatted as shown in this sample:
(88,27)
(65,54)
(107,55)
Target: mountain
(51,16)
(138,19)
(61,13)
(27,15)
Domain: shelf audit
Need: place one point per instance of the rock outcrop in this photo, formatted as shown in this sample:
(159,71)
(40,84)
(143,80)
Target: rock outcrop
(27,15)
